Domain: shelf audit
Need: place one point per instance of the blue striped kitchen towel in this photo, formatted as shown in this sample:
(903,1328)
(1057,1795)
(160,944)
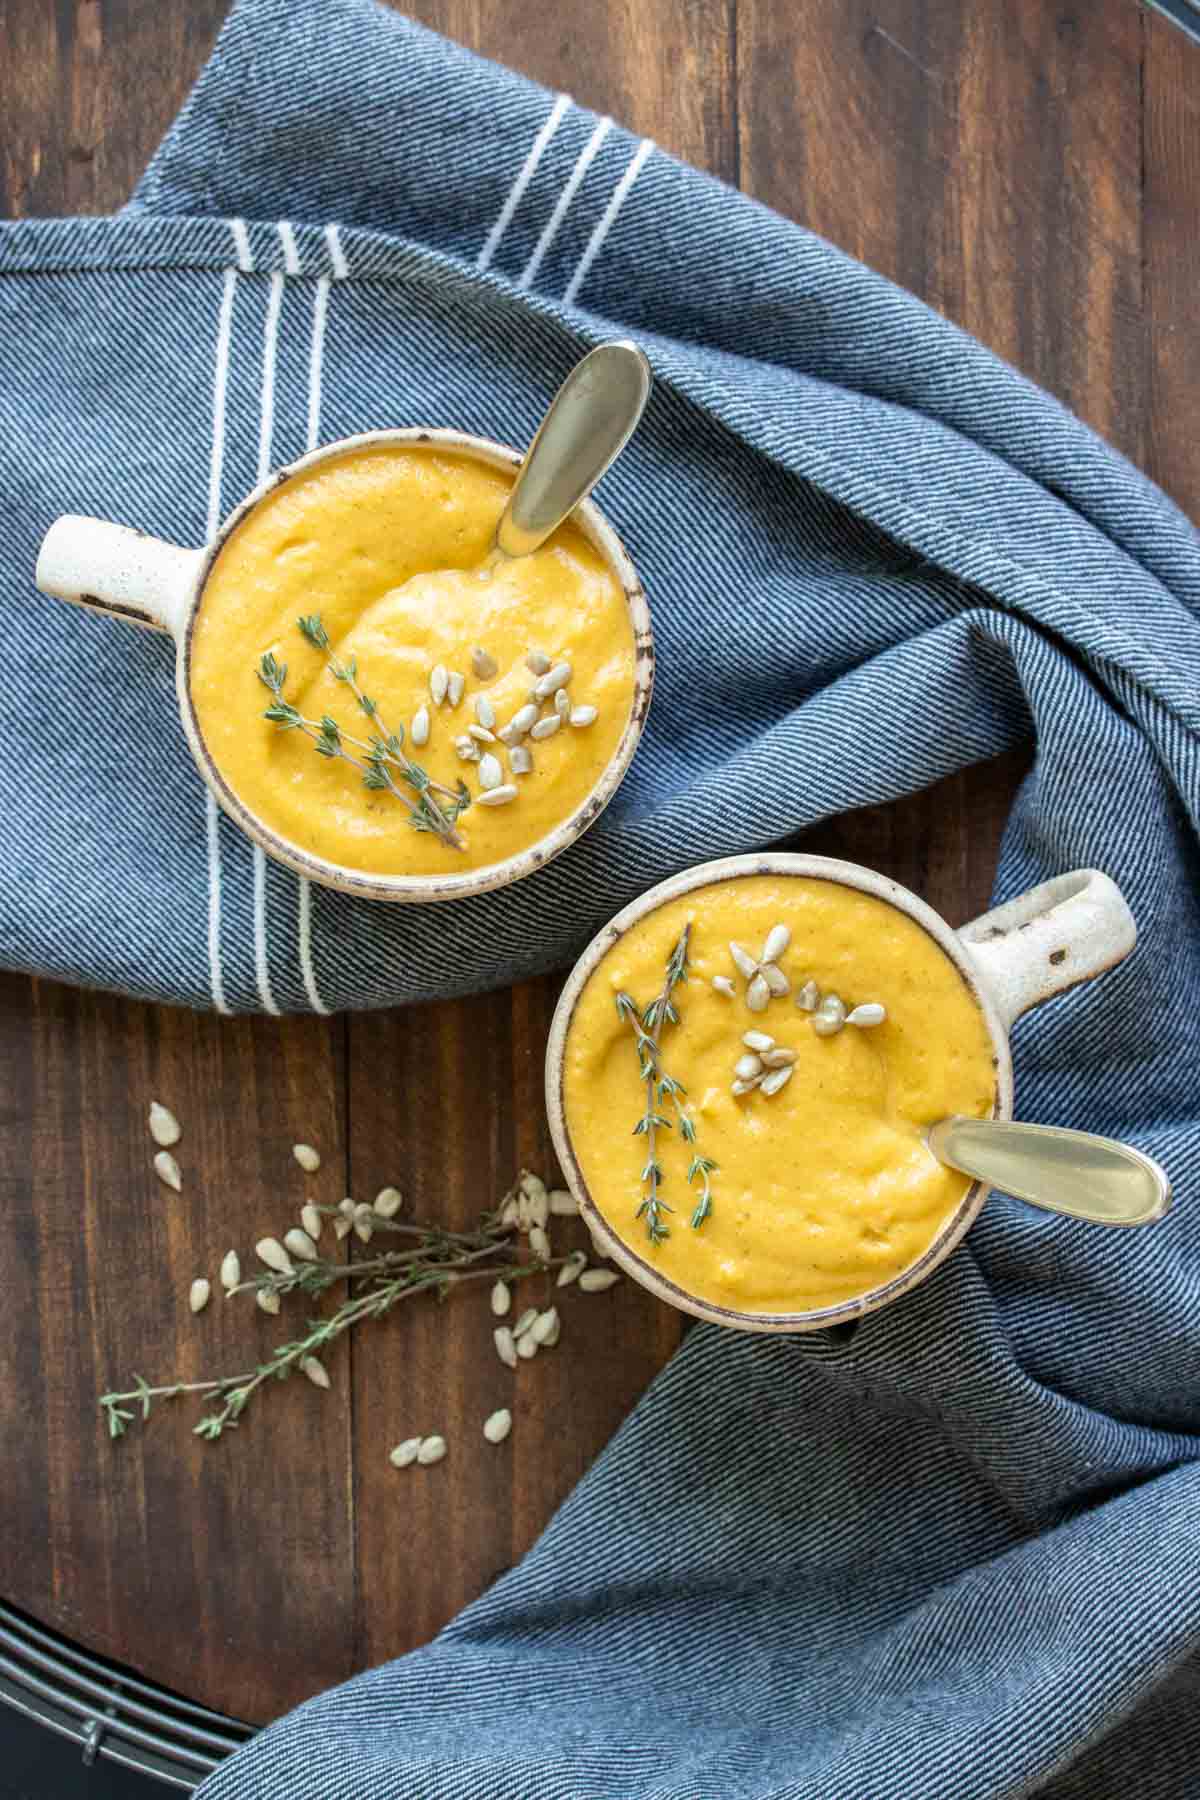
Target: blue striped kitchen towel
(954,1551)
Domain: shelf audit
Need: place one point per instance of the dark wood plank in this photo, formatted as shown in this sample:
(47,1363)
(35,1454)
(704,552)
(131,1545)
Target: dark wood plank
(1172,257)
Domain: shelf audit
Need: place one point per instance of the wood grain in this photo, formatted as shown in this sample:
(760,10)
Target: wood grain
(992,159)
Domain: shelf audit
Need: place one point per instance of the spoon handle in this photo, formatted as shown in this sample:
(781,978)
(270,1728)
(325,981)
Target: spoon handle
(589,422)
(1062,1171)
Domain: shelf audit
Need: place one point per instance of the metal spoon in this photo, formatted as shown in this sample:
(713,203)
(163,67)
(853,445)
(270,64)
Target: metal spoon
(589,423)
(1061,1171)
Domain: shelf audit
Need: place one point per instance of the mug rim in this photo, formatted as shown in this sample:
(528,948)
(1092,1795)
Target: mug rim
(415,889)
(786,863)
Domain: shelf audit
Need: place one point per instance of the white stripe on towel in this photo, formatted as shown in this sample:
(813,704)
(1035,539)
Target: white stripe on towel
(528,169)
(585,159)
(216,469)
(241,241)
(291,256)
(336,256)
(605,223)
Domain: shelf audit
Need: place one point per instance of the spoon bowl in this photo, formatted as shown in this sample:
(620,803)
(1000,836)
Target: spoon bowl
(1072,1172)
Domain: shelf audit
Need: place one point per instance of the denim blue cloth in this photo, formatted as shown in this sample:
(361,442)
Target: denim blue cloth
(956,1549)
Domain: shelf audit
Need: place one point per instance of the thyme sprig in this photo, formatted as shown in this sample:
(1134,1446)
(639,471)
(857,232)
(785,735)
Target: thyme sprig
(439,1262)
(383,751)
(662,1089)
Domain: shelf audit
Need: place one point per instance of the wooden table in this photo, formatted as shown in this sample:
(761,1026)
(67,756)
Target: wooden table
(1031,169)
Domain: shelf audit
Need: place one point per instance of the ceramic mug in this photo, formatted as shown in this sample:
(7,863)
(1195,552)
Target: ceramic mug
(1051,938)
(114,569)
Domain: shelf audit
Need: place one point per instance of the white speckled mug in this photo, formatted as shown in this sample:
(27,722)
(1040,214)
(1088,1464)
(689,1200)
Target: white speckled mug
(1049,939)
(114,569)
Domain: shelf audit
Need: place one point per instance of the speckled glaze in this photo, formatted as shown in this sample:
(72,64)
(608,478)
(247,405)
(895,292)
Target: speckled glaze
(1022,953)
(111,568)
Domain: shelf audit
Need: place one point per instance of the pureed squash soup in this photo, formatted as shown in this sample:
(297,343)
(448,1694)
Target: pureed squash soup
(385,547)
(808,1104)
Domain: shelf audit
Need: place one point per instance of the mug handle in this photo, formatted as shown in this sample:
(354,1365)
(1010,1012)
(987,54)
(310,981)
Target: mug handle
(114,569)
(1063,932)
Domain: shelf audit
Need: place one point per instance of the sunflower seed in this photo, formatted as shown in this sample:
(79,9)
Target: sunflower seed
(507,735)
(537,663)
(747,1067)
(870,1013)
(829,1017)
(431,1451)
(545,1326)
(439,681)
(520,761)
(310,1218)
(198,1294)
(539,1243)
(745,1087)
(165,1128)
(269,1250)
(308,1158)
(466,748)
(300,1244)
(497,1426)
(536,1197)
(757,993)
(743,962)
(167,1170)
(387,1202)
(419,729)
(404,1453)
(527,1347)
(501,1298)
(506,1349)
(546,728)
(724,986)
(341,1228)
(266,1301)
(758,1040)
(346,1207)
(562,1203)
(778,1078)
(572,1269)
(480,734)
(364,1222)
(485,712)
(510,1213)
(778,1059)
(231,1270)
(594,1281)
(775,979)
(778,939)
(524,717)
(491,775)
(498,796)
(455,684)
(562,703)
(552,680)
(483,665)
(315,1370)
(523,1323)
(809,996)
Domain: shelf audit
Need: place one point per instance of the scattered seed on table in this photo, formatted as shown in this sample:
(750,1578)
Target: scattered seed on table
(552,680)
(432,1450)
(510,1212)
(778,939)
(546,728)
(455,684)
(387,1202)
(747,1067)
(491,775)
(501,1298)
(419,729)
(310,1218)
(404,1453)
(572,1269)
(809,997)
(266,1301)
(537,663)
(231,1270)
(870,1013)
(165,1128)
(506,1349)
(167,1170)
(724,986)
(562,1203)
(498,796)
(485,712)
(757,993)
(583,716)
(743,962)
(346,1208)
(439,681)
(520,760)
(539,1243)
(364,1222)
(758,1040)
(524,717)
(483,664)
(595,1281)
(316,1371)
(544,1326)
(301,1246)
(777,1078)
(269,1250)
(523,1323)
(497,1426)
(198,1294)
(308,1158)
(537,1200)
(527,1347)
